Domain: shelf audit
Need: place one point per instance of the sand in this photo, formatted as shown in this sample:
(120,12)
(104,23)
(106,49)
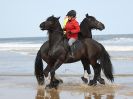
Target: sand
(25,87)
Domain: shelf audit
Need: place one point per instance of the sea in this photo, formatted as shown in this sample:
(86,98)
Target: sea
(17,55)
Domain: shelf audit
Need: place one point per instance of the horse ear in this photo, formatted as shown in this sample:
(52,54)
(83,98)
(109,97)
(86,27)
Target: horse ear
(58,18)
(87,15)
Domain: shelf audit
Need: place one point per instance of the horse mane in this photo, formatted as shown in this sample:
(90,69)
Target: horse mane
(56,32)
(92,17)
(57,25)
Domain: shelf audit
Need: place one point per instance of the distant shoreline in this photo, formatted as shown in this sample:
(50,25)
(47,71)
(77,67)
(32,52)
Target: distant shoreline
(47,36)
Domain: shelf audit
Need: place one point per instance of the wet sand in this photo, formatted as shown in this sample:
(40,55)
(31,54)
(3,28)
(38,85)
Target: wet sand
(25,87)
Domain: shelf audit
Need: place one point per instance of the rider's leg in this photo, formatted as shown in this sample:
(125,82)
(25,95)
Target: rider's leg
(70,42)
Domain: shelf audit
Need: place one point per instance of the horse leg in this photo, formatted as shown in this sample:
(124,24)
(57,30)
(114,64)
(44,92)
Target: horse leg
(97,75)
(95,67)
(94,80)
(99,79)
(87,70)
(47,70)
(54,82)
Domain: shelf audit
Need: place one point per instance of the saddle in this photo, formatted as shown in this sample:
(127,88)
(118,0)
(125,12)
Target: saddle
(76,45)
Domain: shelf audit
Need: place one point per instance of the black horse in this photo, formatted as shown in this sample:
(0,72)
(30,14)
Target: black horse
(90,51)
(86,26)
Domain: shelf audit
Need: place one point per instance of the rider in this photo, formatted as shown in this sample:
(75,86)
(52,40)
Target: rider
(71,28)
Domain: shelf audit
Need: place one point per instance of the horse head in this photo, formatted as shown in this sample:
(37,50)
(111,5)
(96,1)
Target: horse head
(93,23)
(50,24)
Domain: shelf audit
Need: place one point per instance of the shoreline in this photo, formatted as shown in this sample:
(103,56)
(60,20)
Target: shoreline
(25,87)
(64,75)
(13,63)
(17,80)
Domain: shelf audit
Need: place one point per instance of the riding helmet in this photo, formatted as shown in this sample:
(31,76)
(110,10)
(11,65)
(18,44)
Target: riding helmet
(71,13)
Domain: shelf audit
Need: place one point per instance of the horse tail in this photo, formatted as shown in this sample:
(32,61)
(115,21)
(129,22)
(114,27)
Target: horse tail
(106,64)
(39,69)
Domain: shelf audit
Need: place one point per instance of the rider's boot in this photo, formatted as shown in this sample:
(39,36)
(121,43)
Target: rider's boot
(71,52)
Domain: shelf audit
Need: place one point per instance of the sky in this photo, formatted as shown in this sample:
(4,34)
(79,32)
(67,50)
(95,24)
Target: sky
(21,18)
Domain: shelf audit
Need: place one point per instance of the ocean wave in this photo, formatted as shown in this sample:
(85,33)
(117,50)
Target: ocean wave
(31,47)
(122,58)
(18,46)
(118,41)
(118,48)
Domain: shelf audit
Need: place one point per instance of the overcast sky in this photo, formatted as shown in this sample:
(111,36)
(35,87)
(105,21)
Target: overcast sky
(21,18)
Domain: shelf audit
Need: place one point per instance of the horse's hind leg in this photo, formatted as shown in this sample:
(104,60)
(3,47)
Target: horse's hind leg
(97,75)
(87,70)
(99,79)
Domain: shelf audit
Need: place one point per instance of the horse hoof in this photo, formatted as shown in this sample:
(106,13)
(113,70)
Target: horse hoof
(41,83)
(85,80)
(49,86)
(92,82)
(101,81)
(55,83)
(52,85)
(60,81)
(40,80)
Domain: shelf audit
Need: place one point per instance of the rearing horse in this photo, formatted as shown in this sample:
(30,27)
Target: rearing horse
(89,49)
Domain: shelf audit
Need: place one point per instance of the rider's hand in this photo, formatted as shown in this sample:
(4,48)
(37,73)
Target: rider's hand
(69,32)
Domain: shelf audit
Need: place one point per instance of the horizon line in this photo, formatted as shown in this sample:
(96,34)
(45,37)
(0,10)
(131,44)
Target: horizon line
(47,36)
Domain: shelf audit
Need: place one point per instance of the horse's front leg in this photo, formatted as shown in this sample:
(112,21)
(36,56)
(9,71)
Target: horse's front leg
(96,74)
(46,72)
(87,70)
(99,78)
(54,82)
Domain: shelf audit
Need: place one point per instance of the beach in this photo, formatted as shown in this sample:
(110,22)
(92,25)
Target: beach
(25,87)
(17,80)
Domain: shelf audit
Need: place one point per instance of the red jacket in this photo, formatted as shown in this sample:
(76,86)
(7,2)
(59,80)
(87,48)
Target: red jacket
(73,27)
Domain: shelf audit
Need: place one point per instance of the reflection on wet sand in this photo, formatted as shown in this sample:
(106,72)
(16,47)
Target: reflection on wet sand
(43,93)
(98,96)
(25,87)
